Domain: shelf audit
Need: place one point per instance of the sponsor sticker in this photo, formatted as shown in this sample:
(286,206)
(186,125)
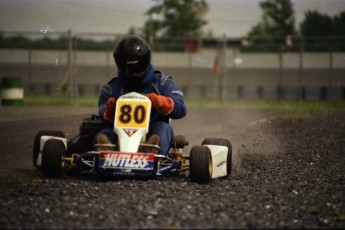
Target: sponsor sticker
(130,132)
(220,163)
(119,160)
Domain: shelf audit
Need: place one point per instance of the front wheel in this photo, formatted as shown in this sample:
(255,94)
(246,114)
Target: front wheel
(221,142)
(52,158)
(200,164)
(37,143)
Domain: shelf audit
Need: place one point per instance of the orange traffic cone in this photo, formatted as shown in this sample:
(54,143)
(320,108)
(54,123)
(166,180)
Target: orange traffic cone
(216,67)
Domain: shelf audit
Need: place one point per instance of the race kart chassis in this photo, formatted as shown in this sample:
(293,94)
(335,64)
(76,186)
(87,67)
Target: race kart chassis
(53,154)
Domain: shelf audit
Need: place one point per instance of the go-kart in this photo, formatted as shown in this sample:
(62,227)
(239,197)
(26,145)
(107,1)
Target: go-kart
(54,155)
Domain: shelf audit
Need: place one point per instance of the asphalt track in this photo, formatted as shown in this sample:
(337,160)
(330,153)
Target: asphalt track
(197,125)
(288,172)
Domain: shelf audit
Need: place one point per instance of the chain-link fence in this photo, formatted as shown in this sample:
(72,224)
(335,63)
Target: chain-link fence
(291,68)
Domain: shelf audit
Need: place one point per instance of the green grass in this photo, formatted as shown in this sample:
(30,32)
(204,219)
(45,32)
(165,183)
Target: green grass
(300,106)
(60,100)
(274,105)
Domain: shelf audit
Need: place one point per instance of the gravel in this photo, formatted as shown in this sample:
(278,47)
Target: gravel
(288,173)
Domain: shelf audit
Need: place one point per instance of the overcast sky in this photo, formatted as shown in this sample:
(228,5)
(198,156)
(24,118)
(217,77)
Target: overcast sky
(231,17)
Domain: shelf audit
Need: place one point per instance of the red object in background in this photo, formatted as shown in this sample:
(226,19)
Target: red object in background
(191,45)
(216,66)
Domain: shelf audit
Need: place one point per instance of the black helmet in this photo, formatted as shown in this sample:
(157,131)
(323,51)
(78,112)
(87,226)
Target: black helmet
(132,56)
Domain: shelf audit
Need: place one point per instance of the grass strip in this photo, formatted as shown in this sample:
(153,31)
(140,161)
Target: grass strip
(60,100)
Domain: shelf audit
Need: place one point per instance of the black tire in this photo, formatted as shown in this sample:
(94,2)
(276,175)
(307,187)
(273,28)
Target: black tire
(37,139)
(200,164)
(52,154)
(222,142)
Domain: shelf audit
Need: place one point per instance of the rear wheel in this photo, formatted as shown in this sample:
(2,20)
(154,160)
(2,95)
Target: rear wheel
(52,158)
(222,142)
(200,164)
(37,143)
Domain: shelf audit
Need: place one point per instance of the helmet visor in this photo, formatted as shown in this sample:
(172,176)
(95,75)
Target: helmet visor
(135,67)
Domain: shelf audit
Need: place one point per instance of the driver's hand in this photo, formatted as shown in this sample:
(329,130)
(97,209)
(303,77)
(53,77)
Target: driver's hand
(109,112)
(164,104)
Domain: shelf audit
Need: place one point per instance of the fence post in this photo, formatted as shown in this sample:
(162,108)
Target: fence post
(29,85)
(107,75)
(300,70)
(280,77)
(222,81)
(72,88)
(330,68)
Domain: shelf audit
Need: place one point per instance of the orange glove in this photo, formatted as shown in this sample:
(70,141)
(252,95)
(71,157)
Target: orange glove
(109,112)
(164,104)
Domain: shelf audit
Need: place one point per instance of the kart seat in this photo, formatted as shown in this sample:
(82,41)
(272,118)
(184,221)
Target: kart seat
(179,142)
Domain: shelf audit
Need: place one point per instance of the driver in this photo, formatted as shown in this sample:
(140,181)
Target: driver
(132,56)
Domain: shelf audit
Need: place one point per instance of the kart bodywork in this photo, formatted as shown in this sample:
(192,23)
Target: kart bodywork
(53,154)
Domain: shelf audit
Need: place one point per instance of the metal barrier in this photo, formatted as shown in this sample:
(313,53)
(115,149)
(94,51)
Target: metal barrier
(296,75)
(305,93)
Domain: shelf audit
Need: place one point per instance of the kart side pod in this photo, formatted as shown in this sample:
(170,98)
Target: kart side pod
(219,158)
(43,140)
(208,162)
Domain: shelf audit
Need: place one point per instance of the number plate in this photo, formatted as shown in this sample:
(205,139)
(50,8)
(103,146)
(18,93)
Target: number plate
(132,114)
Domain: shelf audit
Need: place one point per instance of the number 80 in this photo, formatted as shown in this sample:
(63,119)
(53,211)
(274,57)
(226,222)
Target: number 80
(138,114)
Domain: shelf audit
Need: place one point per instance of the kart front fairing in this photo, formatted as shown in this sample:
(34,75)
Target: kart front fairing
(131,124)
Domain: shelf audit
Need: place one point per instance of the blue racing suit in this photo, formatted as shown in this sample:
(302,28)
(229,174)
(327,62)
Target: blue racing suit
(152,82)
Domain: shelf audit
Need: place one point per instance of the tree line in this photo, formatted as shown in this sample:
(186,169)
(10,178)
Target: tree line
(276,30)
(170,23)
(60,43)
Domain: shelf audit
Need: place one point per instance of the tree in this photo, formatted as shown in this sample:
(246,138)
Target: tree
(176,18)
(322,32)
(339,24)
(316,24)
(277,22)
(278,17)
